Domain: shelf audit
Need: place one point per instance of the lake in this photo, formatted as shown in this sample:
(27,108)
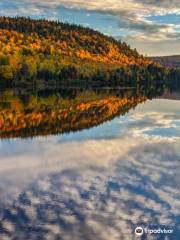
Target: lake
(99,180)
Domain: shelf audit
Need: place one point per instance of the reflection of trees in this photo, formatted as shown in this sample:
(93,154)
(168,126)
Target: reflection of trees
(67,116)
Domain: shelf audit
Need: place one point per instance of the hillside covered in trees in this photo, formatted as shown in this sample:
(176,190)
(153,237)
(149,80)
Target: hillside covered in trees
(167,61)
(49,53)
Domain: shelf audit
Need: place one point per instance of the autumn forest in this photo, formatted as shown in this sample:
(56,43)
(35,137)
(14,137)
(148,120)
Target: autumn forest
(45,53)
(41,55)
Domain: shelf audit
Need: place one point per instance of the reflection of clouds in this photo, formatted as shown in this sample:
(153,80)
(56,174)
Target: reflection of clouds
(97,203)
(92,189)
(158,120)
(155,119)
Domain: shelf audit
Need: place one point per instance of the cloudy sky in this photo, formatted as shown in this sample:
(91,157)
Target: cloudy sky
(153,27)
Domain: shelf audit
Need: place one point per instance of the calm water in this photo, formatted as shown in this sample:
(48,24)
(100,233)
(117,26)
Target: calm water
(96,184)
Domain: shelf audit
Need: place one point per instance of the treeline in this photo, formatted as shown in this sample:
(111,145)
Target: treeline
(45,53)
(28,75)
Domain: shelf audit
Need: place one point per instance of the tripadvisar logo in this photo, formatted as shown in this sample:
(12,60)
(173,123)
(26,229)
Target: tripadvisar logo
(139,231)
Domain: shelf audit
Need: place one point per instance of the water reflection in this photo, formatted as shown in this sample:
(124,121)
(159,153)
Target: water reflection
(38,116)
(95,184)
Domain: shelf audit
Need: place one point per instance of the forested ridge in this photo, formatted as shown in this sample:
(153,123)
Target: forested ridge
(50,53)
(168,61)
(69,39)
